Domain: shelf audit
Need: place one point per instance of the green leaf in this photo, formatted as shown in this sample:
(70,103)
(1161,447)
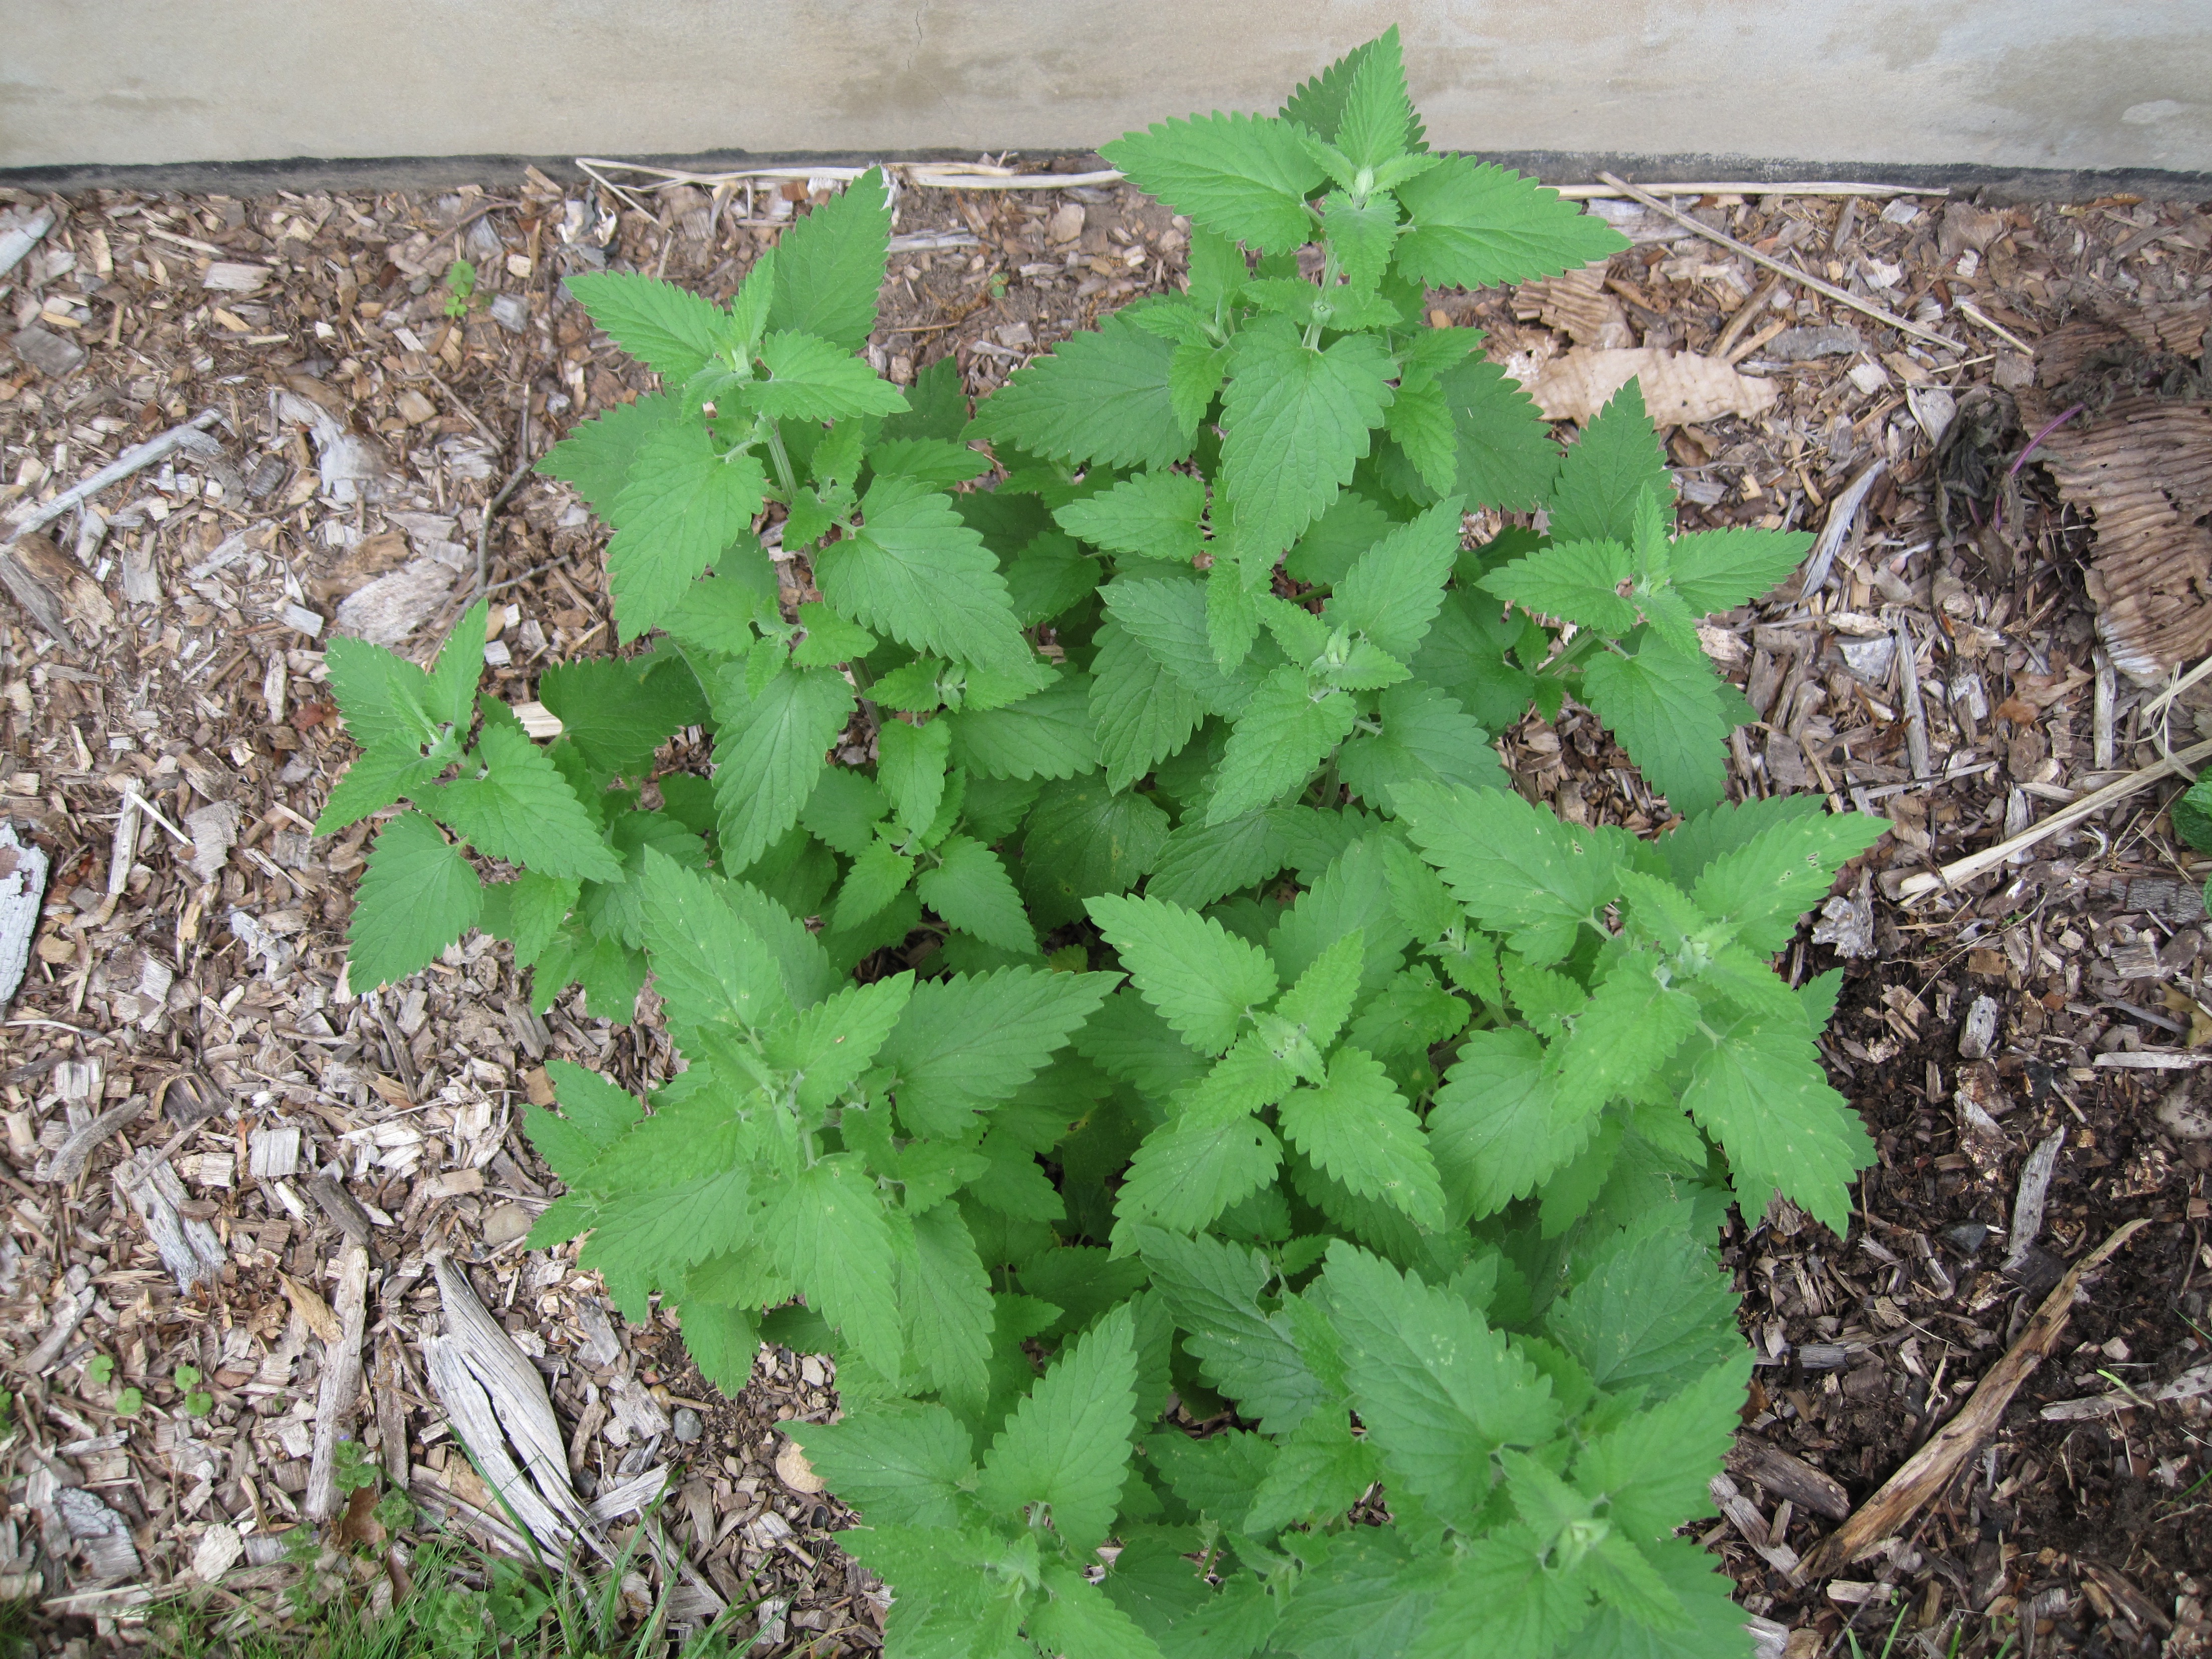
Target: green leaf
(769,751)
(722,1341)
(596,455)
(1066,1446)
(527,912)
(1076,1617)
(1496,1130)
(1284,735)
(1717,1628)
(917,573)
(1759,1090)
(650,1236)
(830,265)
(1083,840)
(1202,977)
(1245,176)
(1506,458)
(1321,1471)
(809,379)
(1103,398)
(932,461)
(1214,1475)
(1358,1127)
(1154,514)
(670,329)
(1504,1600)
(910,763)
(417,897)
(1425,736)
(1666,709)
(1209,1155)
(1636,1020)
(1140,711)
(1168,616)
(452,689)
(1654,1468)
(1194,376)
(1201,862)
(618,710)
(1362,233)
(828,1232)
(1653,1313)
(902,1464)
(717,613)
(1437,1389)
(1213,1287)
(970,889)
(1474,225)
(937,408)
(965,1041)
(1393,591)
(1420,420)
(831,1043)
(1718,569)
(1607,471)
(520,809)
(388,770)
(1574,582)
(1297,420)
(710,967)
(684,503)
(844,809)
(945,1295)
(1046,734)
(594,1113)
(1324,993)
(1319,104)
(879,875)
(1517,869)
(1763,887)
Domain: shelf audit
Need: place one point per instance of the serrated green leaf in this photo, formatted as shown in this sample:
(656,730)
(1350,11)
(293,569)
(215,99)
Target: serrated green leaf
(902,1464)
(1362,233)
(971,889)
(417,897)
(1214,1475)
(1437,1389)
(844,809)
(1763,887)
(670,329)
(879,875)
(945,1295)
(830,265)
(1393,591)
(1575,581)
(910,761)
(769,752)
(1167,615)
(1103,398)
(1321,1471)
(390,768)
(596,455)
(520,809)
(1506,458)
(1760,1093)
(828,1045)
(1077,1617)
(965,1041)
(1200,977)
(1653,1312)
(1244,176)
(827,1230)
(1083,840)
(684,503)
(1425,736)
(1194,376)
(1066,1446)
(1154,514)
(594,1113)
(710,966)
(617,713)
(1496,1130)
(1502,1601)
(1357,1126)
(1201,862)
(1666,709)
(1474,225)
(1046,734)
(916,573)
(1718,569)
(719,612)
(1607,471)
(1420,419)
(809,379)
(1654,1468)
(933,461)
(1634,1023)
(1140,711)
(1211,1155)
(1297,420)
(1281,738)
(1717,1629)
(1517,869)
(1213,1287)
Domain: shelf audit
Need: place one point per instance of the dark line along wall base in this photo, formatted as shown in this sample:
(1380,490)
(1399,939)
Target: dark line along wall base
(1990,184)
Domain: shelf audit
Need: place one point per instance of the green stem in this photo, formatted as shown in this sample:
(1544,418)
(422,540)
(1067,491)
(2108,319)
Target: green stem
(1329,272)
(782,457)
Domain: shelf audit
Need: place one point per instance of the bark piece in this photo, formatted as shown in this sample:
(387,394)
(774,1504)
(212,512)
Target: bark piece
(23,888)
(341,1383)
(1678,386)
(1786,1475)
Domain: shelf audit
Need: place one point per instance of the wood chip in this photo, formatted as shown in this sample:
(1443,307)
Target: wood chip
(1678,386)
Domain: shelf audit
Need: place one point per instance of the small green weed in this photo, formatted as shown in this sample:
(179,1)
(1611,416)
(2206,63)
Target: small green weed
(460,287)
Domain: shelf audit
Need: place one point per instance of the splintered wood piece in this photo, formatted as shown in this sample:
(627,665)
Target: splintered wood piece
(334,1405)
(1929,1470)
(2142,469)
(1678,386)
(23,888)
(1786,1475)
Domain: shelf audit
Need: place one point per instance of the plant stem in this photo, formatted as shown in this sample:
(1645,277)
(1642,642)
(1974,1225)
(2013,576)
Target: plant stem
(782,457)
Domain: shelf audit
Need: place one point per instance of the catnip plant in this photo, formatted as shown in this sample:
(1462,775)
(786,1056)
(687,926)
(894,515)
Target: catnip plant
(1258,1177)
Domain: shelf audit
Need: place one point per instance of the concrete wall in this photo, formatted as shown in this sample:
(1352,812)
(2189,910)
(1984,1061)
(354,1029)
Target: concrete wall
(1998,84)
